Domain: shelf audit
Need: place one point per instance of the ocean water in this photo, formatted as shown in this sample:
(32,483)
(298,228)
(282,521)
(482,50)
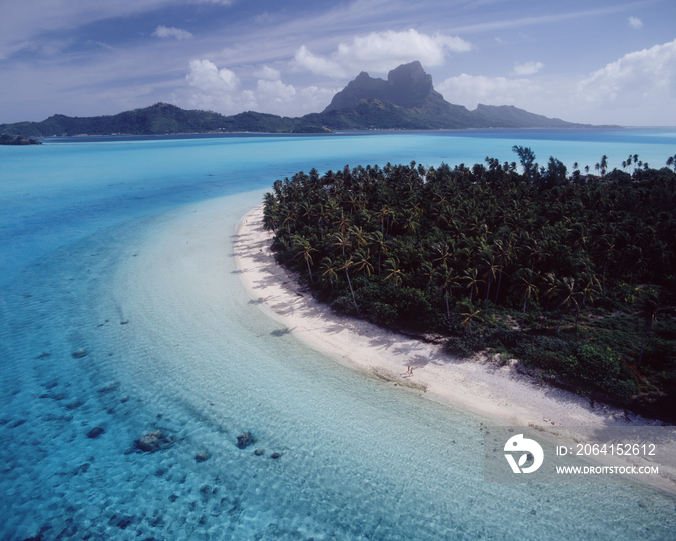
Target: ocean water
(96,334)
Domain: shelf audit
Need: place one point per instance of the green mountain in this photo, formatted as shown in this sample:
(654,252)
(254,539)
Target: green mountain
(161,118)
(407,100)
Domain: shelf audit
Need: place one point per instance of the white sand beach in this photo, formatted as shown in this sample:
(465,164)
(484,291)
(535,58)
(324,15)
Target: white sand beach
(498,392)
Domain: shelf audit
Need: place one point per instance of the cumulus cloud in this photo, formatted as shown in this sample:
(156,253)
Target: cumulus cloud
(205,76)
(274,92)
(640,77)
(529,68)
(216,89)
(470,90)
(312,99)
(221,90)
(164,32)
(634,90)
(635,22)
(380,52)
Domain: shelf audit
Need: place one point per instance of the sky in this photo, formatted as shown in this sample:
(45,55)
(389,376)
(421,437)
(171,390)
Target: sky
(599,62)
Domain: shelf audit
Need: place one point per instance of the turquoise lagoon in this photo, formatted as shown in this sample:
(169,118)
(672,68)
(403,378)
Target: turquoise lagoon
(359,459)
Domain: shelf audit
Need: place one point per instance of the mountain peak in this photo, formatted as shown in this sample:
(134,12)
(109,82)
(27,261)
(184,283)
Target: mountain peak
(407,86)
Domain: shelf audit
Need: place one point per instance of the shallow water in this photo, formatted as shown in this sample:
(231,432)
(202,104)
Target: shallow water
(83,228)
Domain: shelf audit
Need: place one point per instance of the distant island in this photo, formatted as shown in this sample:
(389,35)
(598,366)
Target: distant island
(17,140)
(405,101)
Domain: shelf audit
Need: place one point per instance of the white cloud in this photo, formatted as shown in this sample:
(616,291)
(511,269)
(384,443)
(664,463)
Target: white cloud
(639,78)
(205,76)
(305,60)
(529,68)
(268,73)
(638,89)
(221,90)
(274,92)
(312,99)
(470,90)
(380,52)
(635,22)
(217,89)
(164,32)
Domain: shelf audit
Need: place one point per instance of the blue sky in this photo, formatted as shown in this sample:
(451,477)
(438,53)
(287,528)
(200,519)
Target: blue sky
(600,62)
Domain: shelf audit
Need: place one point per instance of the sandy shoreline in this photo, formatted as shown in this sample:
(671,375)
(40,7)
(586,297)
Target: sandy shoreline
(499,393)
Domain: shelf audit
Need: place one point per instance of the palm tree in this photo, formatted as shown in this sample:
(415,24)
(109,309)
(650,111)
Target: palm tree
(491,269)
(590,288)
(427,273)
(469,314)
(605,248)
(671,162)
(328,267)
(343,223)
(270,210)
(604,165)
(360,238)
(411,223)
(363,262)
(394,271)
(449,280)
(352,202)
(287,218)
(303,250)
(526,287)
(269,219)
(548,286)
(443,253)
(532,250)
(345,266)
(565,297)
(343,241)
(504,252)
(322,214)
(377,242)
(306,210)
(577,236)
(384,215)
(472,281)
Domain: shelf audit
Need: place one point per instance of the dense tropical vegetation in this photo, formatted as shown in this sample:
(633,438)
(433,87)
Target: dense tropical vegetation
(572,274)
(17,140)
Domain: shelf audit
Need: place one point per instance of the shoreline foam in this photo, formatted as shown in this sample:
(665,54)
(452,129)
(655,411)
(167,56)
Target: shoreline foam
(497,392)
